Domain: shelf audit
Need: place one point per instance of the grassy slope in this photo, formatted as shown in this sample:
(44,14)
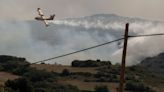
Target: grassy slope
(89,85)
(60,68)
(76,82)
(145,76)
(4,76)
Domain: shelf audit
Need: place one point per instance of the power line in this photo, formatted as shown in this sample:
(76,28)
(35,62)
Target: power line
(79,51)
(160,34)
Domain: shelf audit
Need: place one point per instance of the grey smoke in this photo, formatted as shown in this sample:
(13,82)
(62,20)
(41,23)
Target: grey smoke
(139,48)
(32,40)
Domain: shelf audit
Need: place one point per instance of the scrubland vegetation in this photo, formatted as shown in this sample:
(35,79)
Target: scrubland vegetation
(103,77)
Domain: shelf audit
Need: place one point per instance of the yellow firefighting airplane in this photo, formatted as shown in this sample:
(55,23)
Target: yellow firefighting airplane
(43,18)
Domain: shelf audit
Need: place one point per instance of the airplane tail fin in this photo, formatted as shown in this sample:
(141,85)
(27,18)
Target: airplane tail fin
(52,16)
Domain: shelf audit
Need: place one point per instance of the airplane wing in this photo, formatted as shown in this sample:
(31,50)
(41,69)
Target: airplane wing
(42,16)
(46,23)
(40,12)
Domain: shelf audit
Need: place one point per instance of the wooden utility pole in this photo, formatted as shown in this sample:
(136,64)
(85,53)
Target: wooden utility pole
(122,73)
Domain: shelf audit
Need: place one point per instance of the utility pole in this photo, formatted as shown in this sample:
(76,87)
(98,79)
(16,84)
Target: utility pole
(122,73)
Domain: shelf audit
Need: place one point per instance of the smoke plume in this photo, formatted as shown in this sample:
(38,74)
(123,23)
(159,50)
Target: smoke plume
(32,40)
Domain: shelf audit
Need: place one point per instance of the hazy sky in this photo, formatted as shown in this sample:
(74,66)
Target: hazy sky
(20,39)
(26,9)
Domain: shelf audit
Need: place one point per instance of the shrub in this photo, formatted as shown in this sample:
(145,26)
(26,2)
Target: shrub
(65,72)
(21,85)
(137,87)
(90,63)
(101,89)
(38,75)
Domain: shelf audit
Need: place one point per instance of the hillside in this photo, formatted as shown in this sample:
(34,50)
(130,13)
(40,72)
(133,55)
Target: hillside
(81,76)
(109,76)
(30,79)
(4,76)
(151,71)
(60,68)
(84,74)
(154,64)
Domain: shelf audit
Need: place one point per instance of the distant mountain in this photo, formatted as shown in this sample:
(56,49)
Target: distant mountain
(154,64)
